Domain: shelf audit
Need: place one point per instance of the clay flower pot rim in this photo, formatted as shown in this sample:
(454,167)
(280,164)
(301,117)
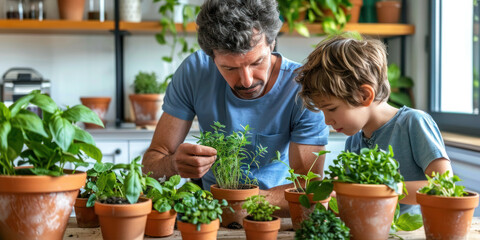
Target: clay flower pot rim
(43,183)
(471,194)
(233,194)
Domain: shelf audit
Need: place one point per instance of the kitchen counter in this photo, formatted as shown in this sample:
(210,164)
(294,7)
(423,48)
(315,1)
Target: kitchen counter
(286,232)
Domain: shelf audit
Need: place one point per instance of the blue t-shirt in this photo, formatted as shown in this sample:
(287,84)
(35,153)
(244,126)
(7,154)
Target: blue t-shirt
(275,119)
(415,139)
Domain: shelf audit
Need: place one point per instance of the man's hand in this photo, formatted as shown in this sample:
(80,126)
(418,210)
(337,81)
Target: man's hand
(193,161)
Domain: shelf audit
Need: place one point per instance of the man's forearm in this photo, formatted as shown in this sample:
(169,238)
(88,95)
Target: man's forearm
(158,164)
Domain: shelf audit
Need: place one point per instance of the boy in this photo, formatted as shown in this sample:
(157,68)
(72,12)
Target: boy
(347,80)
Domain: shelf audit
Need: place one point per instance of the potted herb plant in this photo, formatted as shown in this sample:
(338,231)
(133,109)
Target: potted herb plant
(84,211)
(121,211)
(300,203)
(231,170)
(45,145)
(447,209)
(199,216)
(322,224)
(367,186)
(161,221)
(260,224)
(148,98)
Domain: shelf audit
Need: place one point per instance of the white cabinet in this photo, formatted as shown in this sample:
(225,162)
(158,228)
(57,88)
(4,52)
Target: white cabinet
(114,151)
(137,148)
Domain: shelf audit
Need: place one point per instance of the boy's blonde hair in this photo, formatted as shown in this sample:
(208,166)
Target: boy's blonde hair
(339,66)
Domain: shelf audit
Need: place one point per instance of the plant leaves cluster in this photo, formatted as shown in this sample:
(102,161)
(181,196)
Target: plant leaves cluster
(146,83)
(258,208)
(371,166)
(127,183)
(189,13)
(230,169)
(400,87)
(199,208)
(164,200)
(46,143)
(443,185)
(322,224)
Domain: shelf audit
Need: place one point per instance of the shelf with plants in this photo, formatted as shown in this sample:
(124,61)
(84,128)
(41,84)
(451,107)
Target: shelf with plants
(152,27)
(55,26)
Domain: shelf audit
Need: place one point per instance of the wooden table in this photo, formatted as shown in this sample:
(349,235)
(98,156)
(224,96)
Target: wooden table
(73,232)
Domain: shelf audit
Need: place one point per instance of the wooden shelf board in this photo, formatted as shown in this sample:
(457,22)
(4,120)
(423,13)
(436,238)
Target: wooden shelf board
(55,26)
(151,27)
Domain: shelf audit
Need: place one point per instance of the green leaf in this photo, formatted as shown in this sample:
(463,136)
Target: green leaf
(400,98)
(333,205)
(155,184)
(5,128)
(62,131)
(29,121)
(41,150)
(301,29)
(42,171)
(409,222)
(44,102)
(160,39)
(91,200)
(133,187)
(81,113)
(304,201)
(21,103)
(4,112)
(91,151)
(83,136)
(15,143)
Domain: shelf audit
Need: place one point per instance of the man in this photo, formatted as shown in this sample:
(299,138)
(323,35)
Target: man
(237,79)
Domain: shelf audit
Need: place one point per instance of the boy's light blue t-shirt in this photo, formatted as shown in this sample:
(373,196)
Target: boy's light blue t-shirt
(275,119)
(415,139)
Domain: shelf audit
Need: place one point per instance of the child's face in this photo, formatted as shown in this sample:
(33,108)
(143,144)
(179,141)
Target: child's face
(343,117)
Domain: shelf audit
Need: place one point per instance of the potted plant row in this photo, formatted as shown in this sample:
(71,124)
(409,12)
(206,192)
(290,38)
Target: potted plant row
(447,209)
(231,170)
(37,197)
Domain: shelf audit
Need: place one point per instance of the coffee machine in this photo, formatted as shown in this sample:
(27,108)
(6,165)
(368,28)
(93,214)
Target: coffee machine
(18,82)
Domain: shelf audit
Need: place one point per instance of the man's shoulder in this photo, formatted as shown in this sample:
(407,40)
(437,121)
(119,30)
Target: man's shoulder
(288,64)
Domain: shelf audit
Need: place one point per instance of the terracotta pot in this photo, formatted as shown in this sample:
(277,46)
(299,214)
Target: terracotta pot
(235,199)
(147,108)
(86,217)
(447,217)
(123,221)
(207,231)
(367,209)
(71,10)
(298,213)
(160,224)
(37,207)
(354,11)
(388,11)
(99,105)
(265,230)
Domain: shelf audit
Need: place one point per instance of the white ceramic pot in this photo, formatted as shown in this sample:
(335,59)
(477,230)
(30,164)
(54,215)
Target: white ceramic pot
(131,10)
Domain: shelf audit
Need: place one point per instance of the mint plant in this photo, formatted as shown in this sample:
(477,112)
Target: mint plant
(125,186)
(46,143)
(259,209)
(232,167)
(322,224)
(199,208)
(443,185)
(146,83)
(165,199)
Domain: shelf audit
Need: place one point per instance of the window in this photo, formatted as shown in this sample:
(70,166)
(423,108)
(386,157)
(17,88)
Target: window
(455,65)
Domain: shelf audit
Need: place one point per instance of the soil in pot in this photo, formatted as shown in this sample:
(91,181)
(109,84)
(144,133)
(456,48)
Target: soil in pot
(265,230)
(86,217)
(235,199)
(298,213)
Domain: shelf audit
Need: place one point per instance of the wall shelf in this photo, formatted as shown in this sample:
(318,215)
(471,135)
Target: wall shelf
(95,27)
(55,27)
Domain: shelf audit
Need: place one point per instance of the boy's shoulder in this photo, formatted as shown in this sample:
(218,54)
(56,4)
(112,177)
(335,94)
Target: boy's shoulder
(410,114)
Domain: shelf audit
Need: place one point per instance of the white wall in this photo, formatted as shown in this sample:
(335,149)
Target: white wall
(84,65)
